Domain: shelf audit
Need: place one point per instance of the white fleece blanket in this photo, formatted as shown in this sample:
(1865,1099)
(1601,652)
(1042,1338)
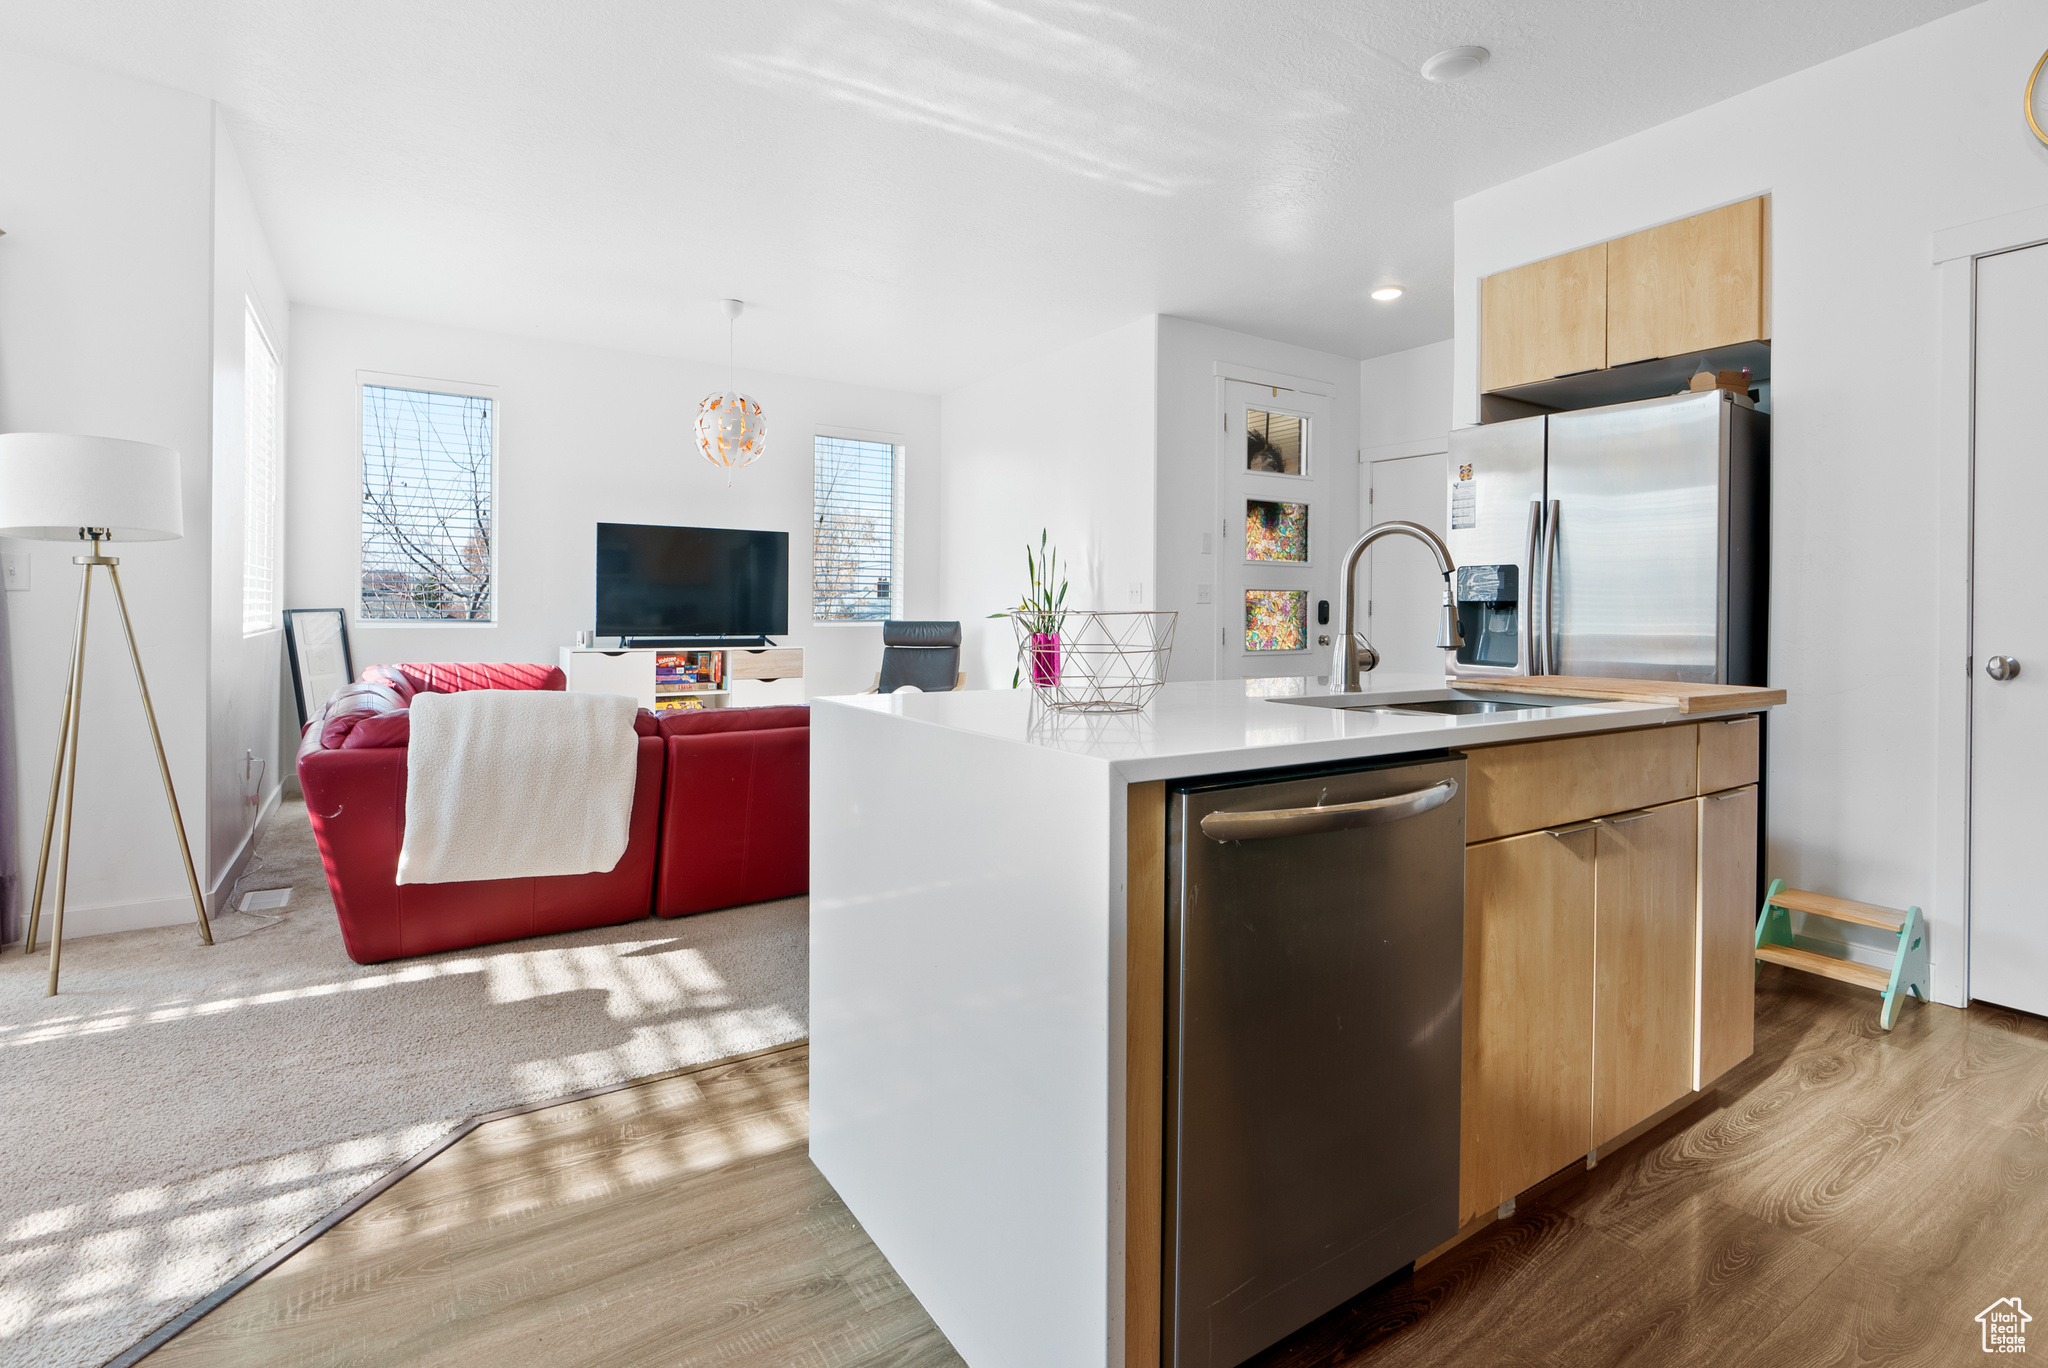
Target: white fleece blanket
(517,783)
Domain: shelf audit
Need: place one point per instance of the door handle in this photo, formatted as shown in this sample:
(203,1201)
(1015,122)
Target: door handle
(1530,590)
(1549,585)
(2002,668)
(1314,821)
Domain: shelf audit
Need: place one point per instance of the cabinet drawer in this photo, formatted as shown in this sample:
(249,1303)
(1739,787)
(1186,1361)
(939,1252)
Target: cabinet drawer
(784,662)
(1728,753)
(1536,784)
(627,672)
(764,693)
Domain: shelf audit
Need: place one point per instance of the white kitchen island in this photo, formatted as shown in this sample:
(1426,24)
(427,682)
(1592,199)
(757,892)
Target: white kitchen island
(976,1097)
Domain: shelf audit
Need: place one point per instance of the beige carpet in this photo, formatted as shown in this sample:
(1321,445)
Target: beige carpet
(179,1112)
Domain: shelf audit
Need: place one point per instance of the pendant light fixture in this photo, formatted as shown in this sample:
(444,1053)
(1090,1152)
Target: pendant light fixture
(731,429)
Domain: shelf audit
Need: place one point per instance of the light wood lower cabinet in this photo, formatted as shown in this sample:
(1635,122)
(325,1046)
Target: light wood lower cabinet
(1727,933)
(1646,881)
(1607,959)
(1528,1071)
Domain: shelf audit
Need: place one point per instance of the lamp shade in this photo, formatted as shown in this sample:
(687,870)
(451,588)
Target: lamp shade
(53,484)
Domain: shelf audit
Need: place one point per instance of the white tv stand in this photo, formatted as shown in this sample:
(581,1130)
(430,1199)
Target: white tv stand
(748,676)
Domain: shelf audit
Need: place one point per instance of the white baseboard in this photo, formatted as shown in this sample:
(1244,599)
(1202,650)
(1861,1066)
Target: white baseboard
(110,917)
(106,918)
(1852,951)
(217,895)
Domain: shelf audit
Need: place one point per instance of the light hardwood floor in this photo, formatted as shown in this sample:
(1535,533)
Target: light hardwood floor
(678,1222)
(1845,1197)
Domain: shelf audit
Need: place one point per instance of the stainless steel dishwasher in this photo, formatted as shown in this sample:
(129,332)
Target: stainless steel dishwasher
(1315,943)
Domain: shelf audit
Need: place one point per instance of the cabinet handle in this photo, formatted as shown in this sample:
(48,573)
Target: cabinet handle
(1731,793)
(1559,833)
(1625,818)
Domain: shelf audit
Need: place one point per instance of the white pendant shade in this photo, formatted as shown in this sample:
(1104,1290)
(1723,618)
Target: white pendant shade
(731,429)
(53,484)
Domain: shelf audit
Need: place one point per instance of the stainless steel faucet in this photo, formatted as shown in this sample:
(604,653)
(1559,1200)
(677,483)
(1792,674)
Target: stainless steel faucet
(1344,666)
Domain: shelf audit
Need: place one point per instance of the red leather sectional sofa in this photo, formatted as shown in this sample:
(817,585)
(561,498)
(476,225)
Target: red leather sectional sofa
(720,818)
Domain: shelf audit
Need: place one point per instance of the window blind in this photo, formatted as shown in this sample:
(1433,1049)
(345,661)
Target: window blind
(427,549)
(259,478)
(853,544)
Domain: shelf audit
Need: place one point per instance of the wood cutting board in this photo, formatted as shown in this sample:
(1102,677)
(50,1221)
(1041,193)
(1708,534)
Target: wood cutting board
(1687,698)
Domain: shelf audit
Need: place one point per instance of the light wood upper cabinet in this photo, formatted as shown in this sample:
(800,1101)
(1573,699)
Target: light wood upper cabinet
(1546,319)
(1687,286)
(1528,1062)
(1727,935)
(1643,973)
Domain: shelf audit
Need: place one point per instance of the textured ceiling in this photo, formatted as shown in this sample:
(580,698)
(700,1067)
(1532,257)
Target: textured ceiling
(915,192)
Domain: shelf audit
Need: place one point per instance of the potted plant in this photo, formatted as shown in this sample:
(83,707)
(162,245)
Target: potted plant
(1040,615)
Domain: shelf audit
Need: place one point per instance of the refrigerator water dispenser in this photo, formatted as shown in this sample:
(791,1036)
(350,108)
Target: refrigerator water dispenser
(1489,614)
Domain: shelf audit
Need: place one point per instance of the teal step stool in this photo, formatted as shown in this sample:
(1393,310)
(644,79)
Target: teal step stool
(1909,961)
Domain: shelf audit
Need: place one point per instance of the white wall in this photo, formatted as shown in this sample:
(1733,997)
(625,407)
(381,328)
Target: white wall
(586,435)
(1065,444)
(1405,396)
(1865,157)
(105,279)
(242,693)
(1189,354)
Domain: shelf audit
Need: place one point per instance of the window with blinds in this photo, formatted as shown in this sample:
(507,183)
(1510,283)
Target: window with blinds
(854,561)
(427,533)
(260,550)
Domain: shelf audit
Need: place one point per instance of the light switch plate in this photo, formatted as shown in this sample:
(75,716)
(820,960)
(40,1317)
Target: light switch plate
(14,571)
(1203,594)
(1207,548)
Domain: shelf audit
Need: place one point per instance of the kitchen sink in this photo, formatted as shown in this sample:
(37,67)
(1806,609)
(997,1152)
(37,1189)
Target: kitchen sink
(1457,706)
(1445,704)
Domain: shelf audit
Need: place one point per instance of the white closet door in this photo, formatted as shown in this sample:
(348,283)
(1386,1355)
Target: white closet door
(1400,582)
(2009,738)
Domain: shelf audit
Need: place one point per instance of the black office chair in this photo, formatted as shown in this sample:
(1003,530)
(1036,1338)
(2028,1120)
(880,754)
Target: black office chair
(925,655)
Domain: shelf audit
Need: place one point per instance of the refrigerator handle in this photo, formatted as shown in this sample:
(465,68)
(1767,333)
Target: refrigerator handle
(1549,577)
(1531,642)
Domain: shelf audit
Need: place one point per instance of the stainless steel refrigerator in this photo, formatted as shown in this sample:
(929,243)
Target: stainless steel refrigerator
(1631,541)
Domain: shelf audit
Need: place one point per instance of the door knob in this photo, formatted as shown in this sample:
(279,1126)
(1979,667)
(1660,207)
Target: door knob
(2002,668)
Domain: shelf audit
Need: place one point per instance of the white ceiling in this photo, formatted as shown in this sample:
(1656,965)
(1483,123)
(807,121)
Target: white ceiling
(913,193)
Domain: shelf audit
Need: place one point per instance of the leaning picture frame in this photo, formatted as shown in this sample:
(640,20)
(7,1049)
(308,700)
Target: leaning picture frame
(316,643)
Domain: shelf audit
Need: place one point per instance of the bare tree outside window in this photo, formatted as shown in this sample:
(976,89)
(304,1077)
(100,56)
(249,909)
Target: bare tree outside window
(853,540)
(426,506)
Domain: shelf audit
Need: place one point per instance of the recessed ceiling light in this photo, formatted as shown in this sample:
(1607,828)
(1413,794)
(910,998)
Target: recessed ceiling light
(1386,292)
(1455,64)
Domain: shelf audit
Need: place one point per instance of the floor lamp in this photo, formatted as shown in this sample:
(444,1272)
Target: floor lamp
(96,489)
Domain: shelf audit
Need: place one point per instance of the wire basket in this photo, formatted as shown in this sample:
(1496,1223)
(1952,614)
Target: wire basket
(1085,661)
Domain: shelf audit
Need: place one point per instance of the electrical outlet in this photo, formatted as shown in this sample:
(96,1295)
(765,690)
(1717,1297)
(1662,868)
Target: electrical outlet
(1137,592)
(1203,594)
(14,571)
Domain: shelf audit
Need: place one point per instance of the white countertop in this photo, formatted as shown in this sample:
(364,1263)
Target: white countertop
(1215,726)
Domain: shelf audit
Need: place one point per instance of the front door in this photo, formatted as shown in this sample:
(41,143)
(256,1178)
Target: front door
(2009,637)
(1272,478)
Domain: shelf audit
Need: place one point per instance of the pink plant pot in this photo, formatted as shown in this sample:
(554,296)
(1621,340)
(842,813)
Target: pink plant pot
(1045,659)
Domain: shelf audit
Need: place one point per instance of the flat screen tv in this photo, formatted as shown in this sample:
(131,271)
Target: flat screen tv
(691,581)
